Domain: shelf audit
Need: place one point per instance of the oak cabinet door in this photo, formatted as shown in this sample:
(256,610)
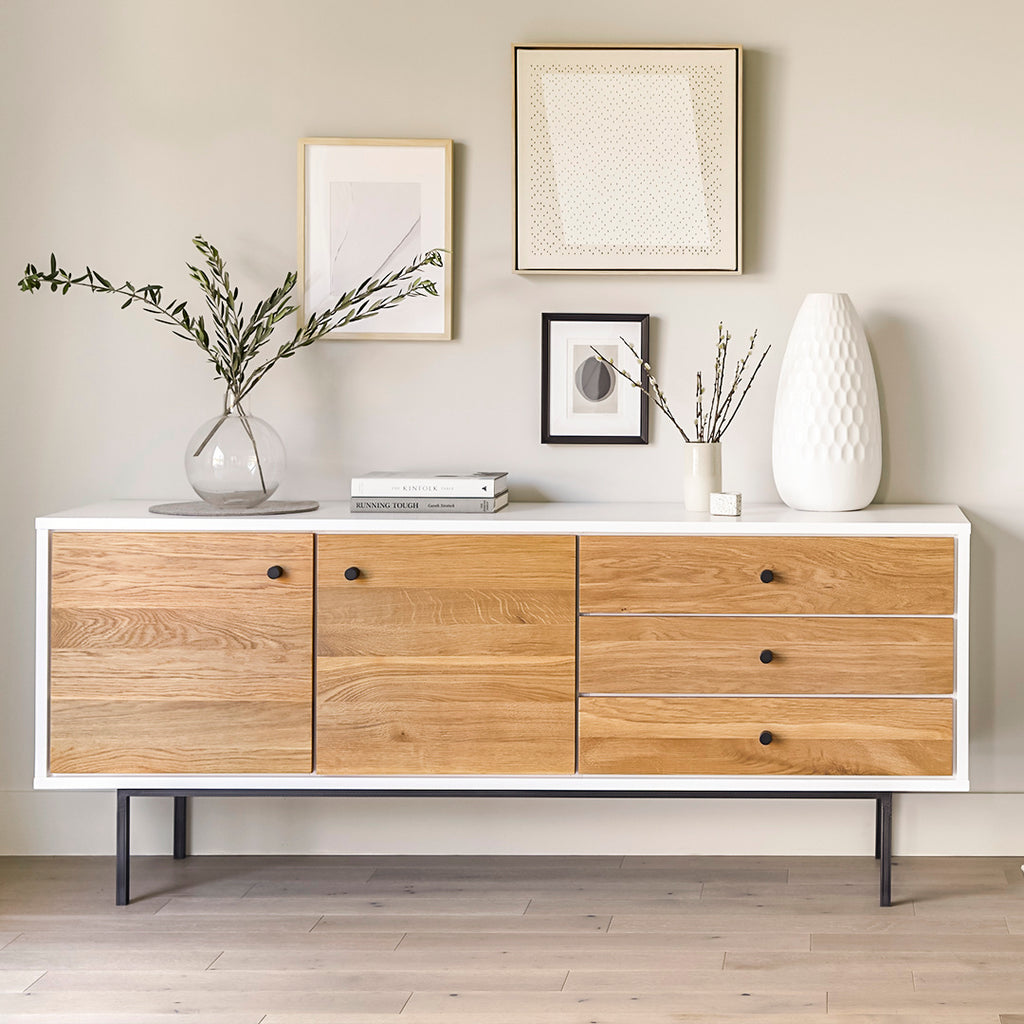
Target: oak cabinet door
(445,655)
(177,653)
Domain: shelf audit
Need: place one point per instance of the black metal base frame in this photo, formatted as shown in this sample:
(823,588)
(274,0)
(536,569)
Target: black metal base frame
(883,815)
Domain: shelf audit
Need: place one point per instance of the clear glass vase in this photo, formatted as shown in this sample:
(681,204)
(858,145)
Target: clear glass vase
(235,460)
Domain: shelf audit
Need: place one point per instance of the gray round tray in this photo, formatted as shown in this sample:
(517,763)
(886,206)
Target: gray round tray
(201,508)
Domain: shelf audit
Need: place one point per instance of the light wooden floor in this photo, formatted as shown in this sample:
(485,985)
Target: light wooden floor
(512,940)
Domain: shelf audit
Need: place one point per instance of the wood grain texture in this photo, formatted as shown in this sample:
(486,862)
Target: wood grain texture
(448,655)
(174,652)
(713,654)
(812,575)
(811,736)
(655,967)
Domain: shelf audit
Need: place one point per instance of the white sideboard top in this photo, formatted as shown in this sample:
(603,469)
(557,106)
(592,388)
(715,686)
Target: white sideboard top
(535,517)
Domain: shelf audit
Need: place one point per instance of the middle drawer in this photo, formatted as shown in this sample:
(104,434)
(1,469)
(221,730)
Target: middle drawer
(765,654)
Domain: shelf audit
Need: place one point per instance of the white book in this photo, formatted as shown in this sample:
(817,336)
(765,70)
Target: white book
(434,504)
(403,484)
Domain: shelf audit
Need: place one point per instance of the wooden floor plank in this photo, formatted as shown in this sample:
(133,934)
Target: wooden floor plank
(296,981)
(1003,977)
(110,1016)
(931,941)
(938,900)
(337,906)
(923,960)
(183,1002)
(794,979)
(18,981)
(587,944)
(644,1004)
(78,957)
(439,961)
(944,1004)
(547,905)
(112,944)
(692,870)
(505,888)
(734,917)
(109,921)
(557,924)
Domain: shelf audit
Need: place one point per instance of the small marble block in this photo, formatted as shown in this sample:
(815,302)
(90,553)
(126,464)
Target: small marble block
(725,504)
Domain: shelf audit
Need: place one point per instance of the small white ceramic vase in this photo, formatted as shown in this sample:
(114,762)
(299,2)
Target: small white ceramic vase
(702,474)
(827,437)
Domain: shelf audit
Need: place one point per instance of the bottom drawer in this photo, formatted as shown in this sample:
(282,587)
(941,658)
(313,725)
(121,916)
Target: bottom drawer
(765,736)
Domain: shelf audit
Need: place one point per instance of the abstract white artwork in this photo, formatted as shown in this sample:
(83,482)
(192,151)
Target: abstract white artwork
(628,159)
(369,207)
(375,228)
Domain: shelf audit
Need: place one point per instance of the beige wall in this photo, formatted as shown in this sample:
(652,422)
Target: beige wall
(883,158)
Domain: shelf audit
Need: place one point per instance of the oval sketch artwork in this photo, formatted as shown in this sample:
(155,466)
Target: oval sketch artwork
(594,387)
(375,228)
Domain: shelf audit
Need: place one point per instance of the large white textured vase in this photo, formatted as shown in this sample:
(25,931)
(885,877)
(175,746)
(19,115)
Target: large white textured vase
(827,439)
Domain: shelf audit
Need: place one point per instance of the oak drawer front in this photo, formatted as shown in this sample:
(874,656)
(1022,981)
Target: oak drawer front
(722,736)
(807,575)
(446,655)
(175,652)
(763,654)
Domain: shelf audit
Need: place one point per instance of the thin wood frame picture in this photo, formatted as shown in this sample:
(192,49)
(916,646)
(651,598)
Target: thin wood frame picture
(368,207)
(628,159)
(583,400)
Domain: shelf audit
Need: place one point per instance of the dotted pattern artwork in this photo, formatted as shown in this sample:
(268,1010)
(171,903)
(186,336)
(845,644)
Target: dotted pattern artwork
(628,160)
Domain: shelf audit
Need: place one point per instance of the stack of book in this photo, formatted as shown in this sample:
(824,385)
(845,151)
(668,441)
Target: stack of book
(429,492)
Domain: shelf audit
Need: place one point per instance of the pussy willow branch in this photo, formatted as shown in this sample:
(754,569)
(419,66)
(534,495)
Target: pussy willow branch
(709,426)
(653,390)
(749,381)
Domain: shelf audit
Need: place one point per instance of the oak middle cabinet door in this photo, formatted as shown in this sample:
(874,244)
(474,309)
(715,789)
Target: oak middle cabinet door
(445,655)
(178,652)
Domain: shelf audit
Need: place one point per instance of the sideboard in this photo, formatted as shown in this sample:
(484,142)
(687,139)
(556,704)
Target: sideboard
(549,649)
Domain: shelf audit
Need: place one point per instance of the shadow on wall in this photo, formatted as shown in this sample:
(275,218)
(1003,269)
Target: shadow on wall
(907,452)
(997,652)
(761,88)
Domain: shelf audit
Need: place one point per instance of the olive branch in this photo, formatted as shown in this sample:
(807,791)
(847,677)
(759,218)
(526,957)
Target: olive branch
(231,342)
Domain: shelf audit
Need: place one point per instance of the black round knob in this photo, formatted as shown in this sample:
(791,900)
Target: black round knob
(767,575)
(275,572)
(766,656)
(352,573)
(765,738)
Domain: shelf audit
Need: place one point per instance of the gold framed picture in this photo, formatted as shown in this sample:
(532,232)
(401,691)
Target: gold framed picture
(628,159)
(368,207)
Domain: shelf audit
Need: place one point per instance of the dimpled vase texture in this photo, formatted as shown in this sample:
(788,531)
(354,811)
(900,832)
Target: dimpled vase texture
(827,438)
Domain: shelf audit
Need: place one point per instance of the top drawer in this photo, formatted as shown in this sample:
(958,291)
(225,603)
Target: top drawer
(767,575)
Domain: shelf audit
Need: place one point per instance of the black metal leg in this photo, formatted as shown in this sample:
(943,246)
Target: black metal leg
(885,850)
(180,827)
(878,828)
(123,852)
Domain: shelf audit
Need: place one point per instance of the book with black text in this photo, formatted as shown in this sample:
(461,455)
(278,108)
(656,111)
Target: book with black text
(428,504)
(400,484)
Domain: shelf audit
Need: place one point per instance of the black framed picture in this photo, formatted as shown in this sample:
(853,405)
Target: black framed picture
(583,400)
